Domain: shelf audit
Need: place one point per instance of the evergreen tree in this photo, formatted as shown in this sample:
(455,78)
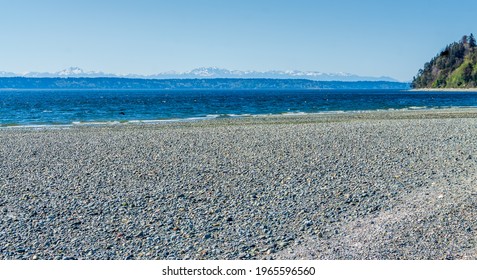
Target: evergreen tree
(472,42)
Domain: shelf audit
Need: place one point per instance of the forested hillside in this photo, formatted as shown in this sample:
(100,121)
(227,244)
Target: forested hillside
(454,67)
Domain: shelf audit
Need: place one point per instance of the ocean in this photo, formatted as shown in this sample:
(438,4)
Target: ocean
(108,107)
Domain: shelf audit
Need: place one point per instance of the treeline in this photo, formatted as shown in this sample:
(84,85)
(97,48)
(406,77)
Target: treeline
(454,67)
(191,84)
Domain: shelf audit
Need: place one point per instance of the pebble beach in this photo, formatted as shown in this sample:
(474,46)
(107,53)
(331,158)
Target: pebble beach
(381,185)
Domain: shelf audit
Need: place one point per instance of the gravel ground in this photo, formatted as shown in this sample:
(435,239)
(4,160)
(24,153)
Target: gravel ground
(349,186)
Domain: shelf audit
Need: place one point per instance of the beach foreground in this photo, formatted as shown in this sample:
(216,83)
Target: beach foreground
(389,185)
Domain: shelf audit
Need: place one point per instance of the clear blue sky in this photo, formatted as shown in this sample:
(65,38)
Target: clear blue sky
(366,37)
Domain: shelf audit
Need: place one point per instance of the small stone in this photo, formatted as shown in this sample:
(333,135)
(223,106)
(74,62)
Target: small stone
(21,250)
(308,223)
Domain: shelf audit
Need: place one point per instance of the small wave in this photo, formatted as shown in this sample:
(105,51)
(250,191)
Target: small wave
(36,126)
(418,107)
(330,112)
(428,108)
(207,117)
(294,114)
(95,123)
(152,121)
(239,115)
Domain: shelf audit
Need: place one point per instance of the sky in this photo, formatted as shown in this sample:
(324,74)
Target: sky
(366,37)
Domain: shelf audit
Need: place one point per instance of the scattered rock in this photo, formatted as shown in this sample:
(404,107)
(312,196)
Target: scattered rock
(166,191)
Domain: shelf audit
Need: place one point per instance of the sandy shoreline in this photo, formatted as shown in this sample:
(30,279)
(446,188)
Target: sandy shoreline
(380,185)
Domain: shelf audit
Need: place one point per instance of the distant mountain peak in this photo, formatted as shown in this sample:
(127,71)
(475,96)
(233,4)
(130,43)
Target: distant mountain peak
(208,72)
(70,71)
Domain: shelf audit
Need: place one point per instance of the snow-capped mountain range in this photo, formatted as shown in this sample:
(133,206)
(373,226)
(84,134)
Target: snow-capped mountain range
(205,72)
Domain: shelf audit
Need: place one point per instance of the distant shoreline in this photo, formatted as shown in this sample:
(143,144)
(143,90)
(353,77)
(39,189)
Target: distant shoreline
(446,89)
(193,84)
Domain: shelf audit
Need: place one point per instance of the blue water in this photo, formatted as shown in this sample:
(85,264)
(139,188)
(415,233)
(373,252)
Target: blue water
(65,107)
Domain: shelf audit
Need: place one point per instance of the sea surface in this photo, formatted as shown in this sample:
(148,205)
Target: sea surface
(97,107)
